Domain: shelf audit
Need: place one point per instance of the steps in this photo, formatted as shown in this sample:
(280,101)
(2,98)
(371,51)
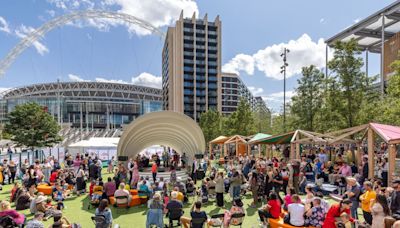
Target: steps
(179,174)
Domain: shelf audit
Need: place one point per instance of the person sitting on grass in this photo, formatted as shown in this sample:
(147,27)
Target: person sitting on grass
(59,196)
(271,210)
(105,211)
(122,192)
(195,213)
(15,192)
(5,210)
(60,221)
(36,222)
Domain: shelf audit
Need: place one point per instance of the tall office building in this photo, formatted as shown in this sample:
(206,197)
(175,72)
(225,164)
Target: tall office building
(233,89)
(191,66)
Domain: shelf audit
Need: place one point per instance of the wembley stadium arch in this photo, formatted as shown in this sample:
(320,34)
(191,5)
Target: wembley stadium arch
(63,20)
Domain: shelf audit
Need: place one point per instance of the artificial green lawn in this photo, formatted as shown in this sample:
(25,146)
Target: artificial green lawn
(77,210)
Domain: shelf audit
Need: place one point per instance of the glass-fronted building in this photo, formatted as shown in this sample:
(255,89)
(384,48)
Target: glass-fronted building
(86,104)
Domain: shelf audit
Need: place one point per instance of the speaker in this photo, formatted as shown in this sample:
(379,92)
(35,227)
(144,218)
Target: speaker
(122,158)
(199,156)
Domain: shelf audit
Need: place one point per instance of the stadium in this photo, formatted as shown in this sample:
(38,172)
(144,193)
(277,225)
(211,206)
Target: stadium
(86,105)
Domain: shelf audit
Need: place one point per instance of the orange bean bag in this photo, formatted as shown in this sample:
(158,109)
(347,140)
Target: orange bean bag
(134,192)
(45,189)
(278,223)
(135,201)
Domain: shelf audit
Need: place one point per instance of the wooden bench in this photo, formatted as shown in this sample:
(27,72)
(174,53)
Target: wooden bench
(278,223)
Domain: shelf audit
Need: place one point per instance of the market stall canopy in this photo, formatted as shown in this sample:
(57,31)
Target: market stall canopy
(390,134)
(276,139)
(237,138)
(257,137)
(219,140)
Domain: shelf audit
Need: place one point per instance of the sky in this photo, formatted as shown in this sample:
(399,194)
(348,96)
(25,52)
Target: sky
(254,34)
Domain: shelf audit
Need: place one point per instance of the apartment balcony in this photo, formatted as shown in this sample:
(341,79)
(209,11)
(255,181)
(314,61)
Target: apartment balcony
(188,53)
(212,79)
(188,69)
(200,93)
(188,100)
(212,48)
(188,92)
(201,78)
(188,84)
(190,30)
(212,86)
(212,71)
(212,93)
(200,100)
(188,61)
(188,77)
(188,46)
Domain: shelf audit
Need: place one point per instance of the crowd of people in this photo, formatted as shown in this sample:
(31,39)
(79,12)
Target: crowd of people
(280,189)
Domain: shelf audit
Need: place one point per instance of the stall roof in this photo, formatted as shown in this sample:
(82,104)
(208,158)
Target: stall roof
(276,139)
(259,136)
(219,140)
(389,133)
(368,32)
(236,138)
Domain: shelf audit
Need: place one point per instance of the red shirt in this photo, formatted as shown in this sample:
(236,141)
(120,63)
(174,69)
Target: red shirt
(53,177)
(275,209)
(154,168)
(333,213)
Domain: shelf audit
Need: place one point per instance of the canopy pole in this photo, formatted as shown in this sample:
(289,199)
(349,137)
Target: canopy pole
(366,64)
(383,56)
(297,147)
(392,162)
(371,157)
(292,151)
(259,150)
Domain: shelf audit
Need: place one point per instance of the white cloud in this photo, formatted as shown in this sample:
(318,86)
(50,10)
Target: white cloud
(240,62)
(52,13)
(4,25)
(76,78)
(110,80)
(146,79)
(357,20)
(275,100)
(322,20)
(2,89)
(303,52)
(22,31)
(256,91)
(156,12)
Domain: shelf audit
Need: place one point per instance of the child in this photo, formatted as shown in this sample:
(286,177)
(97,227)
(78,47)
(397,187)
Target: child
(60,205)
(345,221)
(204,193)
(48,203)
(92,184)
(342,185)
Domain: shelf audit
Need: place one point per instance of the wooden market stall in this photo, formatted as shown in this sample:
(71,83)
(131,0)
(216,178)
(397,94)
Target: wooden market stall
(241,145)
(220,140)
(388,133)
(294,138)
(257,137)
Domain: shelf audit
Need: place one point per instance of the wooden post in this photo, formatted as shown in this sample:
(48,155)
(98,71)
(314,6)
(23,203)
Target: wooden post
(237,148)
(371,153)
(248,149)
(392,162)
(292,151)
(225,149)
(297,146)
(209,148)
(297,150)
(358,160)
(259,150)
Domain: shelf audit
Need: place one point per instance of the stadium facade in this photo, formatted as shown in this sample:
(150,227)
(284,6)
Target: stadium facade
(86,104)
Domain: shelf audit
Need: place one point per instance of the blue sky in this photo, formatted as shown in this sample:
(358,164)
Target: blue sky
(253,34)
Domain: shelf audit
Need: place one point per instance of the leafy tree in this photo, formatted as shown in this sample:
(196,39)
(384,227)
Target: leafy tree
(241,122)
(262,121)
(391,102)
(211,124)
(352,83)
(32,127)
(309,96)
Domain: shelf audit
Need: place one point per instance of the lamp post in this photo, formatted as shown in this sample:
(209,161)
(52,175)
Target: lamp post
(283,70)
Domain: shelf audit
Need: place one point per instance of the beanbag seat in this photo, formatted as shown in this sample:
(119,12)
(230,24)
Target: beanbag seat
(45,189)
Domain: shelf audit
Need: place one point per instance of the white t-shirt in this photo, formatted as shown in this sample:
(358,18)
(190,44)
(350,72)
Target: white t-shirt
(296,212)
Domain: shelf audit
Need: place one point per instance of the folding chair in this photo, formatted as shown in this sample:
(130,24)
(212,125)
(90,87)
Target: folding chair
(220,217)
(197,222)
(175,215)
(100,221)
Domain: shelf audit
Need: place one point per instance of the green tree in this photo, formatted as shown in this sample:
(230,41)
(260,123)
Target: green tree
(352,83)
(241,122)
(32,127)
(309,97)
(211,124)
(391,102)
